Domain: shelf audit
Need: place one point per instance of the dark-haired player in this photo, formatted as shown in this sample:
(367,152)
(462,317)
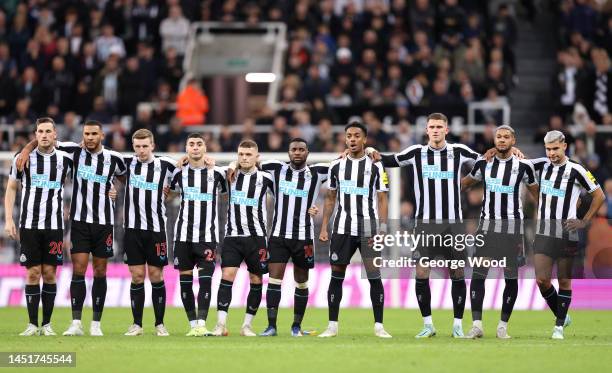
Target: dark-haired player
(358,189)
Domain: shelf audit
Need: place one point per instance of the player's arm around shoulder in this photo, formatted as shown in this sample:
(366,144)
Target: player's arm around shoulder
(474,176)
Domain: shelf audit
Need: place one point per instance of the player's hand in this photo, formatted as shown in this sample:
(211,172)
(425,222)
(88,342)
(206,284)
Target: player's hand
(490,154)
(166,191)
(231,174)
(574,224)
(313,211)
(518,153)
(10,229)
(182,161)
(373,154)
(323,236)
(344,154)
(23,159)
(112,193)
(209,161)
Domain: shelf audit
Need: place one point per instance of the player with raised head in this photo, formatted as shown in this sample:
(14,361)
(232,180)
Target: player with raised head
(41,222)
(358,189)
(92,215)
(501,223)
(296,187)
(196,231)
(245,237)
(436,170)
(561,181)
(145,241)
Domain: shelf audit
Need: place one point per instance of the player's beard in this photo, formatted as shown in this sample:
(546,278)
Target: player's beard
(503,153)
(298,164)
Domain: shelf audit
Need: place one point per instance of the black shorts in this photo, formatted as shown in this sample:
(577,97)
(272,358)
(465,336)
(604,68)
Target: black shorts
(434,238)
(251,250)
(145,247)
(41,246)
(301,252)
(501,245)
(92,238)
(190,254)
(555,247)
(343,246)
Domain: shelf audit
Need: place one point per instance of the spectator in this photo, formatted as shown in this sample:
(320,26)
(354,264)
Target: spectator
(99,112)
(174,139)
(106,83)
(29,88)
(192,104)
(174,31)
(59,84)
(598,86)
(130,87)
(108,43)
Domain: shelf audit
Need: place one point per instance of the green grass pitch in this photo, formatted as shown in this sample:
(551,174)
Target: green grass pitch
(586,349)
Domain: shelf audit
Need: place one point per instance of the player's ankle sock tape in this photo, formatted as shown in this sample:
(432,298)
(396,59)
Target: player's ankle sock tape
(477,293)
(98,296)
(32,293)
(458,293)
(137,296)
(551,298)
(204,295)
(186,282)
(509,298)
(423,295)
(224,296)
(377,296)
(300,300)
(158,298)
(273,297)
(48,301)
(254,299)
(77,293)
(563,304)
(334,295)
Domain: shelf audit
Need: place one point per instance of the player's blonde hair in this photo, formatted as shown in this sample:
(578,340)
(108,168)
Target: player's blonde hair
(142,134)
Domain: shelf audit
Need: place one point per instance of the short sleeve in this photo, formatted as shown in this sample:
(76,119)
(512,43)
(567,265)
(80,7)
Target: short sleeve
(586,179)
(121,168)
(332,177)
(174,179)
(476,172)
(402,159)
(529,176)
(68,146)
(14,174)
(220,172)
(382,182)
(322,170)
(467,155)
(271,166)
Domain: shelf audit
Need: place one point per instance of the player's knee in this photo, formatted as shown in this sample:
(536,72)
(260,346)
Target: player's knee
(99,271)
(138,276)
(543,283)
(48,274)
(34,274)
(255,279)
(155,275)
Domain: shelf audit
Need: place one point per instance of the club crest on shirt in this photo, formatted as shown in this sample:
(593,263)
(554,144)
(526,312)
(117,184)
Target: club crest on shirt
(157,169)
(514,171)
(210,178)
(307,175)
(367,172)
(107,162)
(566,175)
(450,155)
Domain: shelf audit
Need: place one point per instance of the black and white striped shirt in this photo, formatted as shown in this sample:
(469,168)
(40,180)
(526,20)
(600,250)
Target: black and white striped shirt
(295,192)
(145,206)
(42,190)
(94,174)
(197,219)
(559,192)
(357,183)
(247,213)
(502,209)
(437,175)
